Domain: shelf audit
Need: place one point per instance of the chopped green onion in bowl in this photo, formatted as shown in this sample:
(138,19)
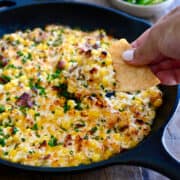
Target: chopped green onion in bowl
(144,2)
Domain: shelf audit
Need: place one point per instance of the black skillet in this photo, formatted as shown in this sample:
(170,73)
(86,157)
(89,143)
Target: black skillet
(150,153)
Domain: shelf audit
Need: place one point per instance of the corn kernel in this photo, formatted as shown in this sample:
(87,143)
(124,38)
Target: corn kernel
(107,154)
(66,124)
(103,72)
(157,103)
(59,112)
(116,137)
(71,103)
(105,81)
(24,80)
(96,157)
(31,112)
(108,61)
(4,115)
(93,114)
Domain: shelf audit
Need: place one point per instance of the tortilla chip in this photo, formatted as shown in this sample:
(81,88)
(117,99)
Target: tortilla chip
(128,77)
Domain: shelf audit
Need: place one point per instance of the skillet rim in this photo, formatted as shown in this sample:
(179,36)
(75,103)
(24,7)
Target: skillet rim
(93,5)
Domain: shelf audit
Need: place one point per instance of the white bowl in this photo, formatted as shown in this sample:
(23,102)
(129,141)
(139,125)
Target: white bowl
(142,10)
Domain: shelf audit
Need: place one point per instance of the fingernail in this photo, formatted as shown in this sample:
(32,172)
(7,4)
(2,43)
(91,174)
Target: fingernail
(128,55)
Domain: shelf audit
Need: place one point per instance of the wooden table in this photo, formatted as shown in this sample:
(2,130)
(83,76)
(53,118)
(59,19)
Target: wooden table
(117,172)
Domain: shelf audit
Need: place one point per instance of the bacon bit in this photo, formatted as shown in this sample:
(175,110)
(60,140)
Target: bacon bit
(101,103)
(61,64)
(73,68)
(93,130)
(3,61)
(134,131)
(78,142)
(135,111)
(41,36)
(112,123)
(84,114)
(81,51)
(11,130)
(79,125)
(88,53)
(57,102)
(3,81)
(24,100)
(46,157)
(78,94)
(137,114)
(114,119)
(139,121)
(67,140)
(29,156)
(93,70)
(104,146)
(90,80)
(3,48)
(103,54)
(29,122)
(123,128)
(82,93)
(43,144)
(56,88)
(146,129)
(96,45)
(86,49)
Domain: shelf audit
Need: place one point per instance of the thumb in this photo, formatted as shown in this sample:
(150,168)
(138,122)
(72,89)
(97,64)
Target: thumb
(146,53)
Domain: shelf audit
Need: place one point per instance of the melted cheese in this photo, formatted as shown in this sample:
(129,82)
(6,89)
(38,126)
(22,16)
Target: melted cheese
(58,106)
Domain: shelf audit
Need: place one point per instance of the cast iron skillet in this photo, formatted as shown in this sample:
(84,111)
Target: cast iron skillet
(149,153)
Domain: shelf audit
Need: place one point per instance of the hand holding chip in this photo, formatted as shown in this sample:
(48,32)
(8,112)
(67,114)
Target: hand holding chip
(158,47)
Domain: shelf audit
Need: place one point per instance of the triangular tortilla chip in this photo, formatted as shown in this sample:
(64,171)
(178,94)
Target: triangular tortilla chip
(128,77)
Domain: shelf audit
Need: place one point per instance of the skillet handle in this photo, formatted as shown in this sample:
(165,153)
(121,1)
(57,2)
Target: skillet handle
(151,154)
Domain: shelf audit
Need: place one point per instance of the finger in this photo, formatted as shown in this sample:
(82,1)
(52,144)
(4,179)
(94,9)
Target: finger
(169,77)
(165,65)
(148,51)
(157,43)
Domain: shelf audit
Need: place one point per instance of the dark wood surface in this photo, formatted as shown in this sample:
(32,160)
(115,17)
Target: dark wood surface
(109,173)
(118,172)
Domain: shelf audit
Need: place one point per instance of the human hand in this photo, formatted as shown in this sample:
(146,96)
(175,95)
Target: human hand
(158,47)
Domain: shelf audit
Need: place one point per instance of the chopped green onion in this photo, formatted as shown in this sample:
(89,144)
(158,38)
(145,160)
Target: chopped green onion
(52,142)
(2,108)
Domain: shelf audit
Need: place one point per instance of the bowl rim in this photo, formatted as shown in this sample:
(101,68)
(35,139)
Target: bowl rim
(165,2)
